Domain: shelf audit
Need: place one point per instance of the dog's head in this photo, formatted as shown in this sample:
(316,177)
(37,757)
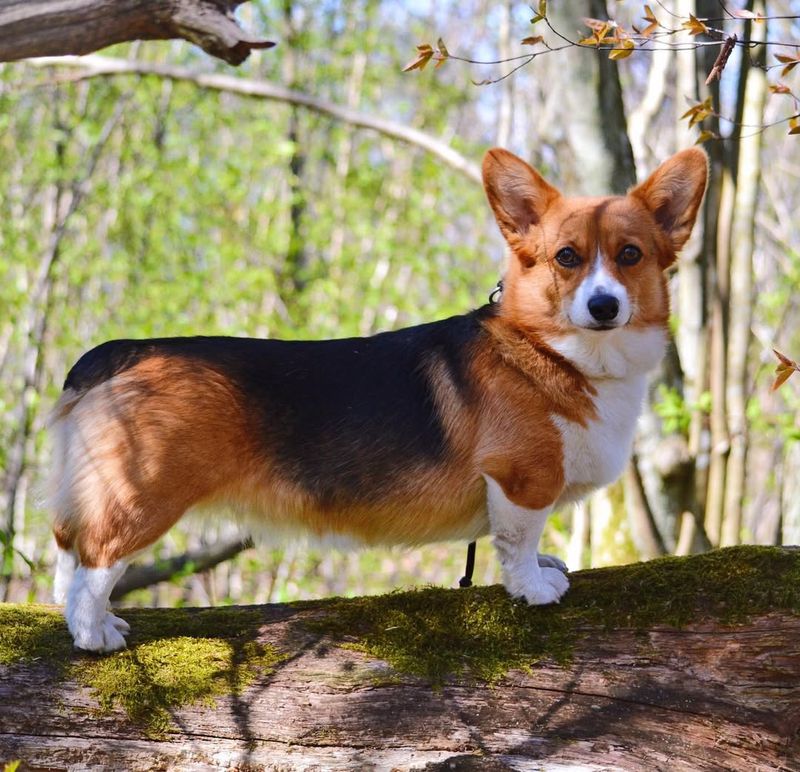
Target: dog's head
(587,267)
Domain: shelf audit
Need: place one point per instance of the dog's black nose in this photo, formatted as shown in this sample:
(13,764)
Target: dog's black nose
(603,307)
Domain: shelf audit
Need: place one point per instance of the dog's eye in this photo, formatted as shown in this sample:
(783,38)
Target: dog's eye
(630,255)
(568,257)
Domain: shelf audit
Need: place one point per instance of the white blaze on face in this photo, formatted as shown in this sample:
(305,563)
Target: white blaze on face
(597,283)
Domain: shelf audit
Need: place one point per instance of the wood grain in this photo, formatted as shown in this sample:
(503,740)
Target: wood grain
(700,698)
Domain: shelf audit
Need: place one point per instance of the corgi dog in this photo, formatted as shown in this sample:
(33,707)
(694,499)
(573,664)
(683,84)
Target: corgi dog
(481,423)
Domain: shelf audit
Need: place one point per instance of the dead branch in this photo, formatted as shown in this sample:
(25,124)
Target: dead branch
(31,28)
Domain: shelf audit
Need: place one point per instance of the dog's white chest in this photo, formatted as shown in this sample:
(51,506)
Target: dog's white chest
(595,455)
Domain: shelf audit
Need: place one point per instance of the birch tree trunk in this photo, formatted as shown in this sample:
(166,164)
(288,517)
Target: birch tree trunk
(586,164)
(741,297)
(505,117)
(719,441)
(690,305)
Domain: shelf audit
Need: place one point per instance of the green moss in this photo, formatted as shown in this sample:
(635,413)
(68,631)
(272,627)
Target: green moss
(29,633)
(482,633)
(225,622)
(150,680)
(175,657)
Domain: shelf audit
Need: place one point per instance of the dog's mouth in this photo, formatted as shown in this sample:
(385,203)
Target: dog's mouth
(602,326)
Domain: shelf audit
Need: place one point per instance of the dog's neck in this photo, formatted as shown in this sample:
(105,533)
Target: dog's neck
(618,354)
(566,388)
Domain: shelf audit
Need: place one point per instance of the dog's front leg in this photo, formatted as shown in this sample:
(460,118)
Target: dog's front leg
(516,531)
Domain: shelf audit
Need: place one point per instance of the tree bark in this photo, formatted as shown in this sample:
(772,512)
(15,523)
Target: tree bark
(45,28)
(741,298)
(507,87)
(707,696)
(644,530)
(585,162)
(296,262)
(613,124)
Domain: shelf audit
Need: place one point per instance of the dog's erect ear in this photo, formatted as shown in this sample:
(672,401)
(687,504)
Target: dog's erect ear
(673,193)
(517,193)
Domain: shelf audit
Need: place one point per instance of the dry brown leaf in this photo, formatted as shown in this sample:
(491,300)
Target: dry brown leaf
(625,49)
(695,26)
(786,367)
(652,22)
(422,58)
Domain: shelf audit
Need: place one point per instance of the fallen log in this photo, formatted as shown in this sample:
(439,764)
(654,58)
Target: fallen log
(680,664)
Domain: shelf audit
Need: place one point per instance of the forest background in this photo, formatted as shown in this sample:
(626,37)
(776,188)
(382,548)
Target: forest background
(318,191)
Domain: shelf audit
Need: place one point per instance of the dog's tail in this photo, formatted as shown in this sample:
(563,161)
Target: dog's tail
(63,407)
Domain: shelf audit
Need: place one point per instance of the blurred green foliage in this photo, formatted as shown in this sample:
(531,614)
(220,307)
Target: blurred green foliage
(188,205)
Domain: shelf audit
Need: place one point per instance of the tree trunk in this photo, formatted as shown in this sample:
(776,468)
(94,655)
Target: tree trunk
(741,297)
(44,28)
(507,87)
(607,689)
(585,163)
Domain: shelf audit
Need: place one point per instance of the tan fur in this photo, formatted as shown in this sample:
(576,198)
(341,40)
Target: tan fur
(145,455)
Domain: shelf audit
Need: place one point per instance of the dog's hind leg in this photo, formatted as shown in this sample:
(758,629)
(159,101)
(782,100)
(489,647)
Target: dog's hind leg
(95,533)
(66,569)
(66,563)
(85,590)
(60,501)
(109,537)
(92,625)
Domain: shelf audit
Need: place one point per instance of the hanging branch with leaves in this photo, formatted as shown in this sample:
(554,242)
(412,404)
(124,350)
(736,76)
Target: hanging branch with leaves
(652,35)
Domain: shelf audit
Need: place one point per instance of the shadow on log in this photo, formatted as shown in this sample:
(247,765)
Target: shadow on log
(679,664)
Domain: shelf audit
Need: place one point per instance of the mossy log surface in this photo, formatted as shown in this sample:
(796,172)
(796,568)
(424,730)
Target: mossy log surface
(677,664)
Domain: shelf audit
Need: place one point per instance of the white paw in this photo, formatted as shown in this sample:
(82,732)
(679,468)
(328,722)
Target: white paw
(551,561)
(100,637)
(119,624)
(547,587)
(92,626)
